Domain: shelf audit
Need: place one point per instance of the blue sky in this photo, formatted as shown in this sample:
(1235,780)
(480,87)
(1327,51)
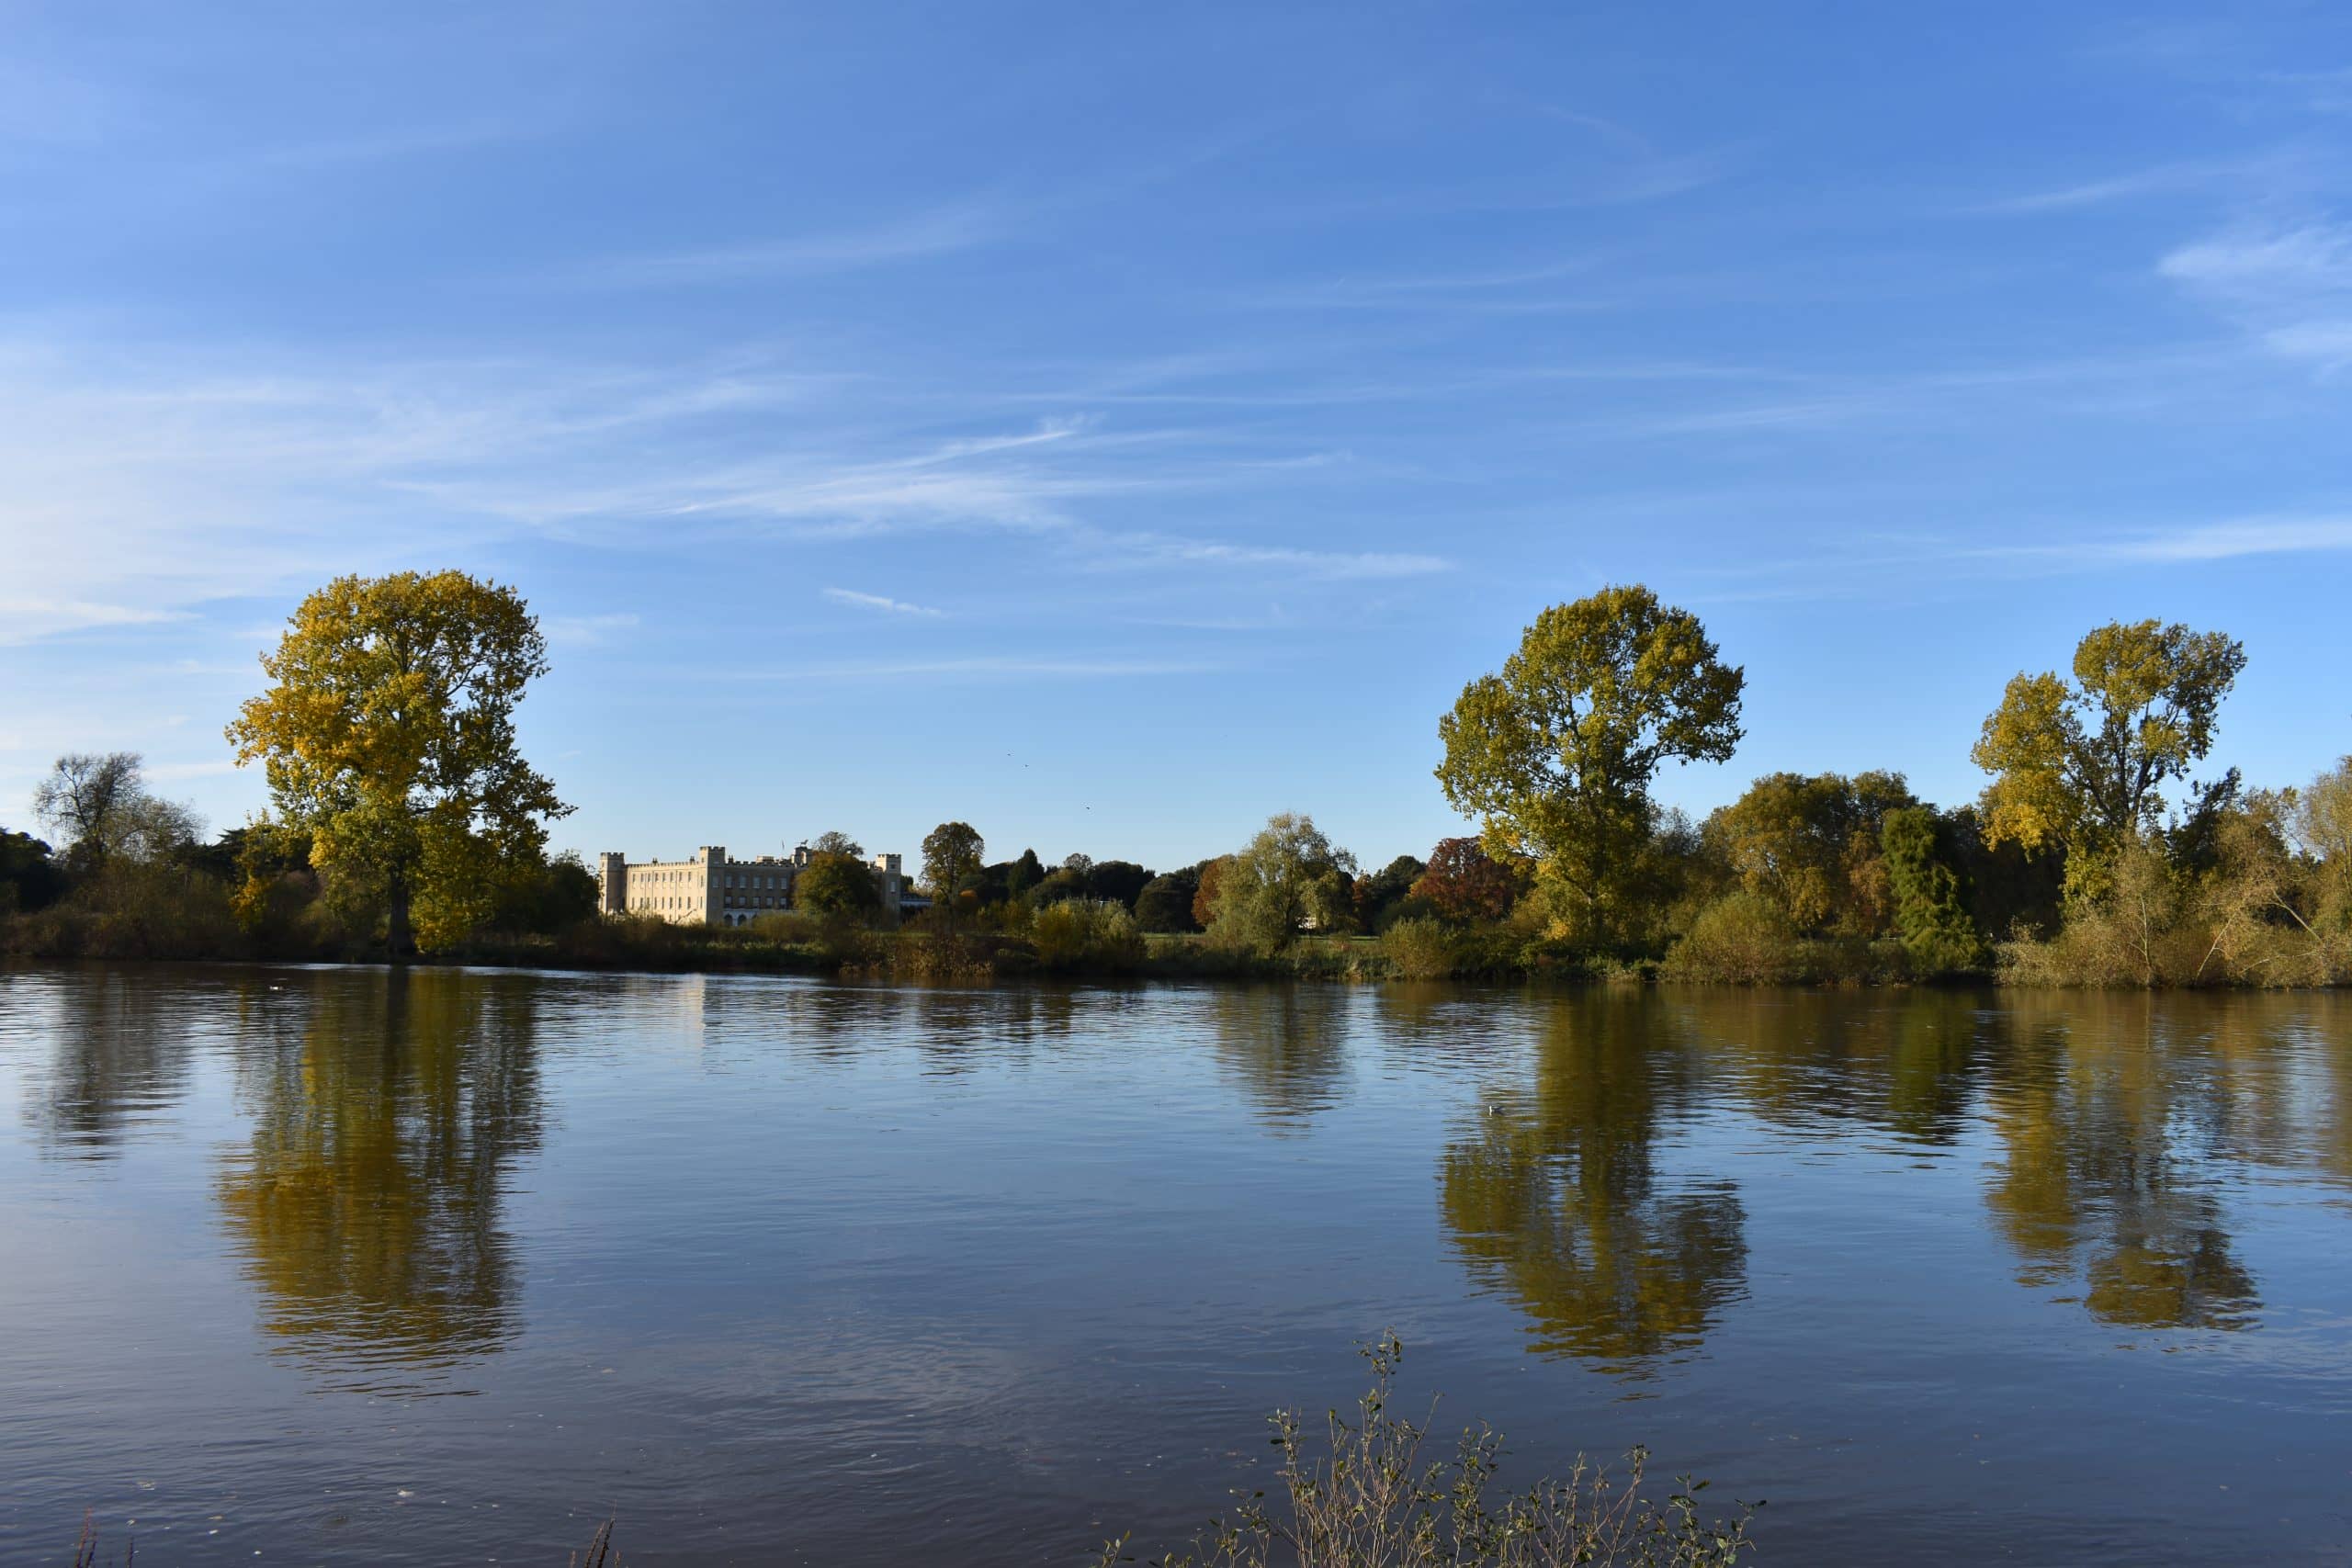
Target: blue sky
(1110,424)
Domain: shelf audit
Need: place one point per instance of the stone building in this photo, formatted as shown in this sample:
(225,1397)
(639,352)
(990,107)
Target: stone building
(714,890)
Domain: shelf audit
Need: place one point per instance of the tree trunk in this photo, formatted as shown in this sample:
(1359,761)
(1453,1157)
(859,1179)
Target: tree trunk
(397,935)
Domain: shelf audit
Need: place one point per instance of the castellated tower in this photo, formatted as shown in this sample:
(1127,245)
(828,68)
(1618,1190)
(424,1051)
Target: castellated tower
(611,881)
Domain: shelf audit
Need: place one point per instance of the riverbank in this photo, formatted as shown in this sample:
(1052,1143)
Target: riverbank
(1086,940)
(789,946)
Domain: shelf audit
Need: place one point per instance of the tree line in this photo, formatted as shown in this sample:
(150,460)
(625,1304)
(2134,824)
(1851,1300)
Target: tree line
(402,816)
(2092,857)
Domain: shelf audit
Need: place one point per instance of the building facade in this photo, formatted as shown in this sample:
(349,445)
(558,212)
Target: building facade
(711,889)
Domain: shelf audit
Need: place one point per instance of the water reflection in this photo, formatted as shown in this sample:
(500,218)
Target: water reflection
(1908,1064)
(2117,1136)
(1557,1200)
(124,1047)
(366,1206)
(1286,1045)
(2111,1123)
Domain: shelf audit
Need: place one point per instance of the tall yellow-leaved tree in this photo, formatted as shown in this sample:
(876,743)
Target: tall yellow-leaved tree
(2080,766)
(387,734)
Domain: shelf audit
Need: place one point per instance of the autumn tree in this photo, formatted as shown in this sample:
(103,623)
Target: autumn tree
(951,851)
(1810,843)
(2080,766)
(2322,823)
(388,735)
(1207,877)
(1465,882)
(1555,756)
(837,886)
(1291,878)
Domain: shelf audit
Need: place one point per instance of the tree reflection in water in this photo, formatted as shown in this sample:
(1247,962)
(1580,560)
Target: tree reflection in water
(1286,1045)
(2112,1122)
(1557,1200)
(367,1207)
(124,1048)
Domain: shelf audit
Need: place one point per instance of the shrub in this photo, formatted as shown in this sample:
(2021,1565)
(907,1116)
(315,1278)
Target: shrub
(2134,927)
(1376,1502)
(1741,939)
(1086,934)
(1418,949)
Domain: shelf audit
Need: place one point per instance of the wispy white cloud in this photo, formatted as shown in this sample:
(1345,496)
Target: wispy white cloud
(1867,563)
(2188,543)
(939,231)
(2290,286)
(143,487)
(1139,550)
(2157,180)
(879,602)
(586,631)
(1526,287)
(30,619)
(984,667)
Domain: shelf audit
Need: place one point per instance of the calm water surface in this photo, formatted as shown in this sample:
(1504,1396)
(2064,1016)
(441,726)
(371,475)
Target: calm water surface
(347,1266)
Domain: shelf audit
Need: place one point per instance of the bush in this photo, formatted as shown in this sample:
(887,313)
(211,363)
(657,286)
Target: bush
(1419,948)
(1095,934)
(2134,928)
(1376,1502)
(1741,939)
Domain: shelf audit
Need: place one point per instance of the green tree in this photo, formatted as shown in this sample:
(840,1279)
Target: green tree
(29,879)
(951,851)
(99,806)
(2322,821)
(1120,881)
(81,797)
(1931,904)
(1058,886)
(1024,873)
(387,734)
(547,896)
(276,881)
(1165,903)
(835,842)
(1379,895)
(1289,879)
(1811,845)
(837,886)
(2080,766)
(1555,756)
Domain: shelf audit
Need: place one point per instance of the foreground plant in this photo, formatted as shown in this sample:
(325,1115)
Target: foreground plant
(1375,1502)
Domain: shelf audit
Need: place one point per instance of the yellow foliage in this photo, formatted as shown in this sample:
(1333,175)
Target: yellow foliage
(387,734)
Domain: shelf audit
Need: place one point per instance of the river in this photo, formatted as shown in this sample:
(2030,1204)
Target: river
(344,1265)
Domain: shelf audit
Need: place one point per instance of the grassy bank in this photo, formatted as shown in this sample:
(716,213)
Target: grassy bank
(2127,941)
